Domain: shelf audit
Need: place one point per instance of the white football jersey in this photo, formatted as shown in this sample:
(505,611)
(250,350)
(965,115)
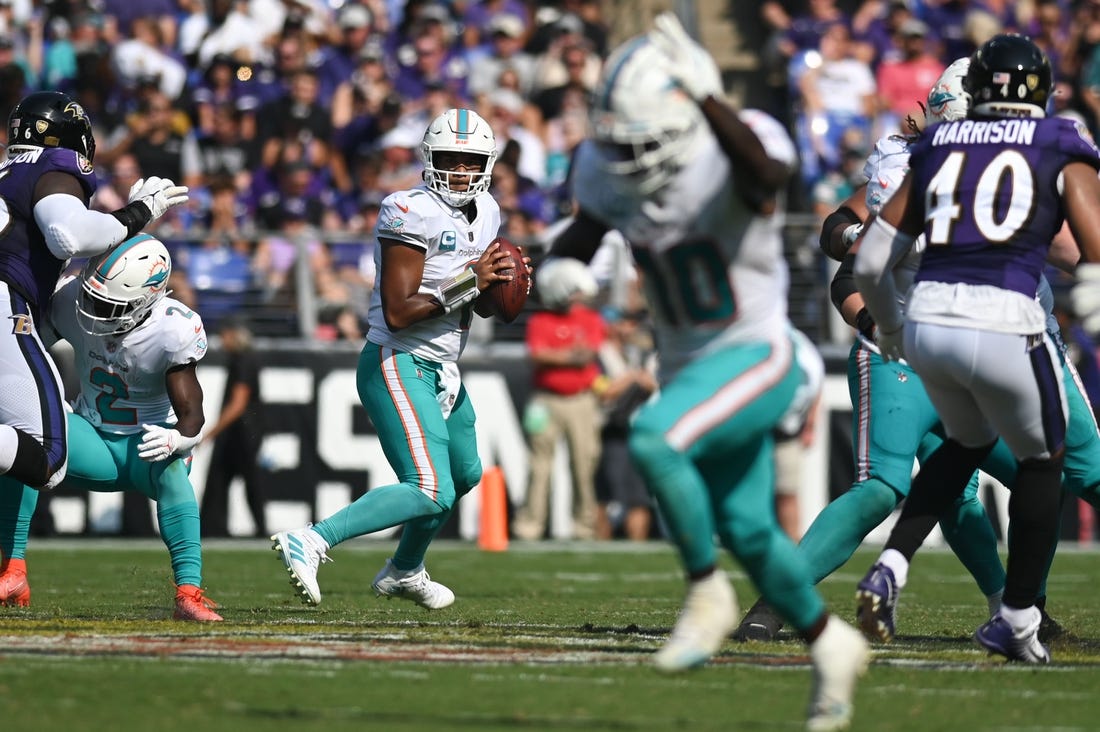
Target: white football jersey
(122,377)
(451,244)
(713,269)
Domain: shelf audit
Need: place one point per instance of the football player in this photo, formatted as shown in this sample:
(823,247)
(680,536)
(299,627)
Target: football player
(435,255)
(886,445)
(139,410)
(989,194)
(696,188)
(45,185)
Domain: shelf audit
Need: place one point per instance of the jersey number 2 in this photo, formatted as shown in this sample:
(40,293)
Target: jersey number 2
(112,388)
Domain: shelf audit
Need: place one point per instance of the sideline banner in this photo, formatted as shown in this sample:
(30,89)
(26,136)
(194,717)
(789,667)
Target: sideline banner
(320,450)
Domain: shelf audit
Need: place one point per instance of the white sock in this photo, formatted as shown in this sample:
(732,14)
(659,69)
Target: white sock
(897,563)
(994,600)
(1020,618)
(9,444)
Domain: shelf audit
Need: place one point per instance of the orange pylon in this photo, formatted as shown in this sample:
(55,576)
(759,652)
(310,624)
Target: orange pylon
(493,534)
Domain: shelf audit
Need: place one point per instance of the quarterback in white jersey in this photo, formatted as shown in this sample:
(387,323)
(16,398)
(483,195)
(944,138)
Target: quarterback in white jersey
(696,188)
(451,245)
(435,255)
(139,412)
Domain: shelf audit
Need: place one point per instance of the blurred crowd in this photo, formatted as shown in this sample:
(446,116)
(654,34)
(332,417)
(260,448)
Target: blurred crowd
(845,73)
(290,120)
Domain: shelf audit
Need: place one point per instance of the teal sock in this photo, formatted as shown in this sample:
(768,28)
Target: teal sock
(682,498)
(178,519)
(784,580)
(377,509)
(969,533)
(742,484)
(841,526)
(415,539)
(17,504)
(179,528)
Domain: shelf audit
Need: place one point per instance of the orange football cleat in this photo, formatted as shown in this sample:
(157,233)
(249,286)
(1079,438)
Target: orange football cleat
(192,604)
(15,591)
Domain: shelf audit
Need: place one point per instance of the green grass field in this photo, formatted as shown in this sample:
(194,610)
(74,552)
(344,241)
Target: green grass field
(542,637)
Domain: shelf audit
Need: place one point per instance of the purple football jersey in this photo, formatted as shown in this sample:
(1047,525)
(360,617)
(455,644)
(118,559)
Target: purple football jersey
(989,193)
(26,263)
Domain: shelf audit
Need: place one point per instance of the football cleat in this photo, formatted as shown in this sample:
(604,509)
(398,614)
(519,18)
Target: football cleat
(413,584)
(1049,628)
(302,551)
(998,636)
(877,603)
(193,604)
(709,614)
(840,656)
(15,590)
(760,624)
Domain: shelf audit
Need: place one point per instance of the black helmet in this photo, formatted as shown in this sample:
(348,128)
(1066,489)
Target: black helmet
(1009,76)
(51,119)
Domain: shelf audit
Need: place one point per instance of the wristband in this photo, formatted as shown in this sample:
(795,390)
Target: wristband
(454,292)
(134,216)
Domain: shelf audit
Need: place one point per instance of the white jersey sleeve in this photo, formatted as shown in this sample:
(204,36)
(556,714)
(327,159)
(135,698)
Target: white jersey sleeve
(401,220)
(184,334)
(885,169)
(772,135)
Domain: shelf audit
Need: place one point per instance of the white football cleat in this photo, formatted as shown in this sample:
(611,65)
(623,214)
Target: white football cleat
(412,584)
(840,656)
(709,615)
(302,551)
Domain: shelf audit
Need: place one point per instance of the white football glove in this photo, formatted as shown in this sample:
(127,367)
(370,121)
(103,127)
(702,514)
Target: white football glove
(160,443)
(1085,296)
(689,64)
(890,344)
(158,194)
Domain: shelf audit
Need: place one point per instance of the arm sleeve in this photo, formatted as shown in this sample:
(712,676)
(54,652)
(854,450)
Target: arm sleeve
(882,247)
(71,229)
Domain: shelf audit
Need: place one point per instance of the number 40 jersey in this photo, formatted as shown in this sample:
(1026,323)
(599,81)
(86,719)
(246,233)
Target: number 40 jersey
(122,378)
(712,267)
(990,191)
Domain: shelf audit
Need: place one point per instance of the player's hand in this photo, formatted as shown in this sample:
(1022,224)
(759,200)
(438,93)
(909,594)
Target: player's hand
(689,64)
(160,443)
(158,194)
(890,344)
(1085,296)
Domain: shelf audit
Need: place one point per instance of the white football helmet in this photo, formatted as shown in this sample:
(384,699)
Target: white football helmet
(946,99)
(462,131)
(120,287)
(559,279)
(644,126)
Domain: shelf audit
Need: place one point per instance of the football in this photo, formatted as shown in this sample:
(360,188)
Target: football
(506,299)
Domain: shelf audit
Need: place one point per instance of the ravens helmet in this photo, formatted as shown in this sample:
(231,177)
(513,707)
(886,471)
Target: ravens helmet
(1009,76)
(51,119)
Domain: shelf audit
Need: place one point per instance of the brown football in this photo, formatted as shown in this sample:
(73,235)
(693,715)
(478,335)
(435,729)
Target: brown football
(506,299)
